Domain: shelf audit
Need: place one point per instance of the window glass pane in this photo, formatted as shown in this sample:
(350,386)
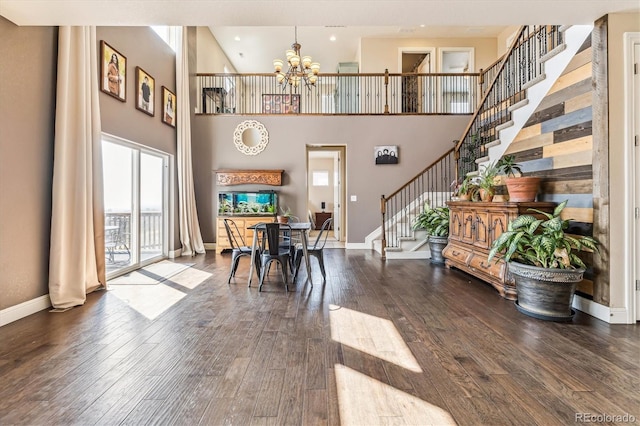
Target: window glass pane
(320,178)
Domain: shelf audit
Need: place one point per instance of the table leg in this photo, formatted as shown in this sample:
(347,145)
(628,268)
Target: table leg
(254,245)
(306,256)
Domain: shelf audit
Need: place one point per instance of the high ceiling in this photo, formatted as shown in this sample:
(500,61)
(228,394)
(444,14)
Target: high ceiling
(266,28)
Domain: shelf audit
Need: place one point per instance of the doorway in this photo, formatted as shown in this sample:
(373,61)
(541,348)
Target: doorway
(136,205)
(634,113)
(326,171)
(416,91)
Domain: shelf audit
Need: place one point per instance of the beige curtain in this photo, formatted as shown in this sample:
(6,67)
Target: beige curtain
(77,261)
(190,236)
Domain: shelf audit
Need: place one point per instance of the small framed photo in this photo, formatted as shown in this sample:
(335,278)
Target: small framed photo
(386,154)
(168,107)
(113,72)
(145,92)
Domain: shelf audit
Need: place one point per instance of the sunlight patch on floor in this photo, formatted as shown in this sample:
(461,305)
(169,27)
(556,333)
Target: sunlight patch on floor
(190,278)
(372,335)
(366,401)
(148,300)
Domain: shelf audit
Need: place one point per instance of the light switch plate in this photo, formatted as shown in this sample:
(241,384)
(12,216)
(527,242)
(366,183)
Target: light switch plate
(354,198)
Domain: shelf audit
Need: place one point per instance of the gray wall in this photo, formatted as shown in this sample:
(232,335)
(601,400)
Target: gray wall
(421,140)
(27,102)
(27,116)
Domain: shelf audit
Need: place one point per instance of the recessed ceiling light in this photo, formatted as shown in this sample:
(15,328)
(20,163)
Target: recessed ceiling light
(332,38)
(237,38)
(422,25)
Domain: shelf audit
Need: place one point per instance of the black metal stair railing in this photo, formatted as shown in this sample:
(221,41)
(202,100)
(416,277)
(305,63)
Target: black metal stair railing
(520,67)
(432,185)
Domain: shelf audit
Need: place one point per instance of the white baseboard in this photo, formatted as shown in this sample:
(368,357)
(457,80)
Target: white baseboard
(24,309)
(175,253)
(210,246)
(357,246)
(604,313)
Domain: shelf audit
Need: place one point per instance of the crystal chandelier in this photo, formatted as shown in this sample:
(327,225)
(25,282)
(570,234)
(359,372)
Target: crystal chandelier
(300,68)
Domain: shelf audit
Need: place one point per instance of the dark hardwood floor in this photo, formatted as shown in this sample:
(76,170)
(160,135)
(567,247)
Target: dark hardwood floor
(401,342)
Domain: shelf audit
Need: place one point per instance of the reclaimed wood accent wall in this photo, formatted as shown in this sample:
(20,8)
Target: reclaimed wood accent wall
(557,144)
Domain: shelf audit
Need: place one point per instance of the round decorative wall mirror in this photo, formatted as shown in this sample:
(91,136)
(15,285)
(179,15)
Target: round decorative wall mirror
(251,137)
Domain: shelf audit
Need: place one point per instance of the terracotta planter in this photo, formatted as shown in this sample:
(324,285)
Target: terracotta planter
(543,293)
(523,189)
(464,197)
(486,196)
(282,219)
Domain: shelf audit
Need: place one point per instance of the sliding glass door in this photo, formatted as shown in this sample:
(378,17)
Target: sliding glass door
(136,205)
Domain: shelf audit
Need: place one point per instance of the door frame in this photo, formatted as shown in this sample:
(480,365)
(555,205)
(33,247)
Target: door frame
(342,175)
(632,175)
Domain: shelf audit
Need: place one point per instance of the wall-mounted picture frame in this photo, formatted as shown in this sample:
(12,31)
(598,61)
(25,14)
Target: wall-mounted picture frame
(113,72)
(145,92)
(169,107)
(280,104)
(386,154)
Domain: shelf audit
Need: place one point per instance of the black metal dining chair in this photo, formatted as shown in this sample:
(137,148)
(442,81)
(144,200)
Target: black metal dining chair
(238,247)
(316,250)
(275,249)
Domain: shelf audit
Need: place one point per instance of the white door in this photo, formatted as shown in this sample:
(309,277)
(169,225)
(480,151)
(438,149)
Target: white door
(636,114)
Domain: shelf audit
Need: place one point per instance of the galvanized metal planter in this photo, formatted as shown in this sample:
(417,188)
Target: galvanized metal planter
(543,293)
(436,245)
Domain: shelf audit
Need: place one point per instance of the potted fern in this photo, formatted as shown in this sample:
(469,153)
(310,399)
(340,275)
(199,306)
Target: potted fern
(543,261)
(436,222)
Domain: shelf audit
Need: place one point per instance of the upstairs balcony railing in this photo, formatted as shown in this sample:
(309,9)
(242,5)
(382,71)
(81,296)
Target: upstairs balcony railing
(340,94)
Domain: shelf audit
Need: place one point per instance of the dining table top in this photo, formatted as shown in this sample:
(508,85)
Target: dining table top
(295,226)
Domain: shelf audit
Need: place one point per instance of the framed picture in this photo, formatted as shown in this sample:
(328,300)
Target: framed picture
(281,104)
(386,154)
(145,92)
(113,72)
(168,107)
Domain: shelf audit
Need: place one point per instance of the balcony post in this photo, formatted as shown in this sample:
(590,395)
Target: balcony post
(386,94)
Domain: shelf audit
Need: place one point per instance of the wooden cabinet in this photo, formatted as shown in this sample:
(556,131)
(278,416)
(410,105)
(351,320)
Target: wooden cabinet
(473,226)
(321,217)
(243,222)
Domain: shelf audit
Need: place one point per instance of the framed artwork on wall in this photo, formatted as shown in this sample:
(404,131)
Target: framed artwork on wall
(113,72)
(386,154)
(145,92)
(168,107)
(281,104)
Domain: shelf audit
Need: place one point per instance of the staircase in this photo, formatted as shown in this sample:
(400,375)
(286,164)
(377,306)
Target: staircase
(535,60)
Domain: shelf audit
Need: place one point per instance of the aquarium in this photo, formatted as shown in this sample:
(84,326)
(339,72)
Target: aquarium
(235,203)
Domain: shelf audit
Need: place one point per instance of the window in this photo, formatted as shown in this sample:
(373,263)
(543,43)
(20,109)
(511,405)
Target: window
(320,178)
(168,34)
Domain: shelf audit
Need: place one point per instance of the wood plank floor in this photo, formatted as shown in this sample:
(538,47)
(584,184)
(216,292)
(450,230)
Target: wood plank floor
(401,342)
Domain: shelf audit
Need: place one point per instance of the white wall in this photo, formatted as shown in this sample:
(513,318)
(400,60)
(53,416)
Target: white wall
(378,54)
(317,194)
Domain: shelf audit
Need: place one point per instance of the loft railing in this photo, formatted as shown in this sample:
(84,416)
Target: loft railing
(340,94)
(432,185)
(519,68)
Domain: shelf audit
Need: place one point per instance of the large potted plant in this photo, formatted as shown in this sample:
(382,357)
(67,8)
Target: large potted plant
(543,261)
(436,222)
(521,188)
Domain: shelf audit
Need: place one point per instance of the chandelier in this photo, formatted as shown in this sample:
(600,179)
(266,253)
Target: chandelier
(300,68)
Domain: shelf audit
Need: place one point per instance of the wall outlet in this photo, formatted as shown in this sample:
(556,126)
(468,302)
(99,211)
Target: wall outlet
(354,198)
